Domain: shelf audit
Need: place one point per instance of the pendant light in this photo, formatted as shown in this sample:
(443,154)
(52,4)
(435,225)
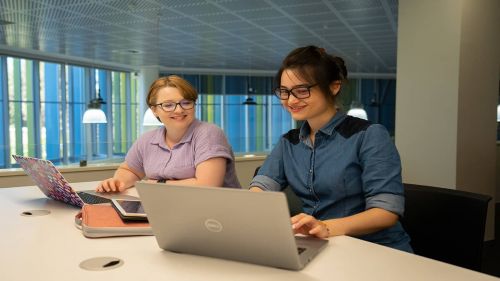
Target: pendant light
(357,109)
(94,113)
(150,119)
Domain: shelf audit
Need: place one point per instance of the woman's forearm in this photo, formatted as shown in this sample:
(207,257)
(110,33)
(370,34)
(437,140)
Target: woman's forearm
(366,222)
(128,176)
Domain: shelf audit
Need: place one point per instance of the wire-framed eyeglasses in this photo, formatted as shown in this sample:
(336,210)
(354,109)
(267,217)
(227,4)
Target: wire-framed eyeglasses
(299,91)
(170,106)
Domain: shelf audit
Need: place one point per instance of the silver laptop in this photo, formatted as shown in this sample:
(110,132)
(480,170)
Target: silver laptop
(226,223)
(52,183)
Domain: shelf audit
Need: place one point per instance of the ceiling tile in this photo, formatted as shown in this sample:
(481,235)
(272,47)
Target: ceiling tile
(231,34)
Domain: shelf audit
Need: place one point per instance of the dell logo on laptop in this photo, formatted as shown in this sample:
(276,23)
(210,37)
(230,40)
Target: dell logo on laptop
(213,225)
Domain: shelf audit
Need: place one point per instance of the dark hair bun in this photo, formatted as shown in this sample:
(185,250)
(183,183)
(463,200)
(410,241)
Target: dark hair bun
(341,65)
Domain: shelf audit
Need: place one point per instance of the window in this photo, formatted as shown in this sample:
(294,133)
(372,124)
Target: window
(42,104)
(41,109)
(249,128)
(257,128)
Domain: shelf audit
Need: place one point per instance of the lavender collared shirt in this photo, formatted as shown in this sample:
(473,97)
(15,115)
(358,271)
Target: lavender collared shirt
(202,141)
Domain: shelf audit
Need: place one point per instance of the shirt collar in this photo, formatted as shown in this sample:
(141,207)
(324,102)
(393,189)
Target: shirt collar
(188,136)
(159,137)
(328,129)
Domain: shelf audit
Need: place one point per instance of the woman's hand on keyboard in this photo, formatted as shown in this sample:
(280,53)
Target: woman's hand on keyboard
(111,185)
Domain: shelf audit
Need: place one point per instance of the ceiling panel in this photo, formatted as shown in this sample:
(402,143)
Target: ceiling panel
(229,34)
(239,6)
(304,9)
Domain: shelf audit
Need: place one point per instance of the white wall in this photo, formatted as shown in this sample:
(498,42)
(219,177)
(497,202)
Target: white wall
(145,78)
(427,91)
(446,94)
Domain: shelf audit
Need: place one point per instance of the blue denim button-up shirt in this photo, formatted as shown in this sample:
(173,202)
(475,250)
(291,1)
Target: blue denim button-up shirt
(352,166)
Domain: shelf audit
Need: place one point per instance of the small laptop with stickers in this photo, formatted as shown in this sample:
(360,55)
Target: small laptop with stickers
(52,183)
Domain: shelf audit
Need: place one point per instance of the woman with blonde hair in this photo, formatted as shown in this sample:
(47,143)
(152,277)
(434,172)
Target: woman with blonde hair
(185,151)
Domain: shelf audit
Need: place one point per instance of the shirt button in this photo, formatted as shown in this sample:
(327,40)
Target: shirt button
(310,171)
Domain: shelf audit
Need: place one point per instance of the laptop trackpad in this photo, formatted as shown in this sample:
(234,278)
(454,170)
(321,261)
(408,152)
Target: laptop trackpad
(310,241)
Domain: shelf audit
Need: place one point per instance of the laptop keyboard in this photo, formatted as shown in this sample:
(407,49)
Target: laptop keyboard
(300,250)
(92,199)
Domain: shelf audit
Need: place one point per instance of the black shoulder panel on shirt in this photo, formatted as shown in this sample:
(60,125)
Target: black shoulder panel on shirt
(351,125)
(293,136)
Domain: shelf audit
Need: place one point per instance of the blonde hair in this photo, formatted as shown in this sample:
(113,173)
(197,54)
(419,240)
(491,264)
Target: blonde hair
(187,90)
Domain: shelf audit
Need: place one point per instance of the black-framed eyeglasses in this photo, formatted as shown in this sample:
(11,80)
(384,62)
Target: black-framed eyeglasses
(299,91)
(170,106)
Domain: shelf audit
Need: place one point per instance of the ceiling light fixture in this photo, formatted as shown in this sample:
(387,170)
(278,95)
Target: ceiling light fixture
(250,91)
(5,22)
(127,51)
(94,113)
(150,119)
(249,101)
(358,112)
(357,109)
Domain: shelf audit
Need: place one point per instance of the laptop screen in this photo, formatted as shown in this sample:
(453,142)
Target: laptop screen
(50,181)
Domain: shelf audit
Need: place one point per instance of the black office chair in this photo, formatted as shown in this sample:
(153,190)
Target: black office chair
(446,224)
(294,203)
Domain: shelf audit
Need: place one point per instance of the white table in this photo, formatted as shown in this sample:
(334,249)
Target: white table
(51,248)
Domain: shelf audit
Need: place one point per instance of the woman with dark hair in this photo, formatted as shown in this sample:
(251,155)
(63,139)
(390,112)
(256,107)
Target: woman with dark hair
(345,170)
(185,151)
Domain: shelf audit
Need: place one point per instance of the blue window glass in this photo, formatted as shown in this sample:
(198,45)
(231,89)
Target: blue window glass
(42,105)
